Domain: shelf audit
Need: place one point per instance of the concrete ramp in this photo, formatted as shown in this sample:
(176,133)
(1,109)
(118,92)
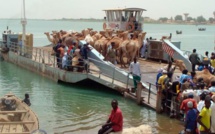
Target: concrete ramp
(180,55)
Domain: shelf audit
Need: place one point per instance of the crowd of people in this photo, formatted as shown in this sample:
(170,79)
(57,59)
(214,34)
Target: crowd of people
(65,54)
(196,105)
(206,63)
(189,98)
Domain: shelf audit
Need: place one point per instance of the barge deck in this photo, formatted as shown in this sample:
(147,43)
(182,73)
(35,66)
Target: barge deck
(41,61)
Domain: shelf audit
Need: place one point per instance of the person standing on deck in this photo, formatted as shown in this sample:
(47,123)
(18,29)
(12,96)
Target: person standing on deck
(111,53)
(84,52)
(194,59)
(206,60)
(115,120)
(143,49)
(134,69)
(132,18)
(70,54)
(64,61)
(61,52)
(57,53)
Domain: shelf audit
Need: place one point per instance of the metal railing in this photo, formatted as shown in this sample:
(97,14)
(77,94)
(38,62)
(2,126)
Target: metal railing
(170,105)
(109,71)
(150,92)
(44,56)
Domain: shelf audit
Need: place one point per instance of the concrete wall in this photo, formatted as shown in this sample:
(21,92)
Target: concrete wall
(43,69)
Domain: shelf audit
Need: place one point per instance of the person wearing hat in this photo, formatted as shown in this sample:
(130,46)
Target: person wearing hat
(213,115)
(161,80)
(190,121)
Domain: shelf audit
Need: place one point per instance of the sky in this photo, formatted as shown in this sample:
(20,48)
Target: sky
(57,9)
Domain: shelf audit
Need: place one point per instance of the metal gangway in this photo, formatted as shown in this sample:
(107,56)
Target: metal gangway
(109,69)
(180,55)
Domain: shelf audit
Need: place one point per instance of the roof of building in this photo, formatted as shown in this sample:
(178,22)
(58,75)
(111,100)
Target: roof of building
(125,9)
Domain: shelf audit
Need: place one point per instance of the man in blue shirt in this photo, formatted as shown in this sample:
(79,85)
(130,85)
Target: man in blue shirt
(184,76)
(190,121)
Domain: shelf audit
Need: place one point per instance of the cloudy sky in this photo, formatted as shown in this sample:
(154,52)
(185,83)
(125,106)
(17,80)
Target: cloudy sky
(56,9)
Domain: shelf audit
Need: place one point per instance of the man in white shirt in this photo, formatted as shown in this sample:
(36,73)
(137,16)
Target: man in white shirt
(212,88)
(143,49)
(64,61)
(134,69)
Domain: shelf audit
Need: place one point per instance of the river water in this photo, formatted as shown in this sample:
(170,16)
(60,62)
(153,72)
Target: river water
(82,108)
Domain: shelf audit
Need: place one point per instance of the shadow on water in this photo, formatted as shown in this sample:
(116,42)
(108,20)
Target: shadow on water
(90,85)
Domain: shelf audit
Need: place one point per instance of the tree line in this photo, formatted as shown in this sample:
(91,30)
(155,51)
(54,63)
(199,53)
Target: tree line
(179,18)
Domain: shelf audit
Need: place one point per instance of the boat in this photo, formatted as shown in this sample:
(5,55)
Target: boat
(39,59)
(202,29)
(178,32)
(119,19)
(16,117)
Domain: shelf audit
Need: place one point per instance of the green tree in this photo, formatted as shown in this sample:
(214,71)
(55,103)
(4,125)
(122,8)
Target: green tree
(163,19)
(189,18)
(200,19)
(211,20)
(178,17)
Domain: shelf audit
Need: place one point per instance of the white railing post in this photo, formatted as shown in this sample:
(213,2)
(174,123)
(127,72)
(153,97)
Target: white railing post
(113,74)
(54,61)
(39,54)
(49,57)
(127,81)
(44,61)
(36,55)
(99,74)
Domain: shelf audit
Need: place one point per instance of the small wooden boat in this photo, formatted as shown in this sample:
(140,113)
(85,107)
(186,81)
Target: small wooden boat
(202,29)
(178,32)
(16,117)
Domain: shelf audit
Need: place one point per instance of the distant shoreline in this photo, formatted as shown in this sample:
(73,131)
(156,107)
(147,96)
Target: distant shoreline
(101,20)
